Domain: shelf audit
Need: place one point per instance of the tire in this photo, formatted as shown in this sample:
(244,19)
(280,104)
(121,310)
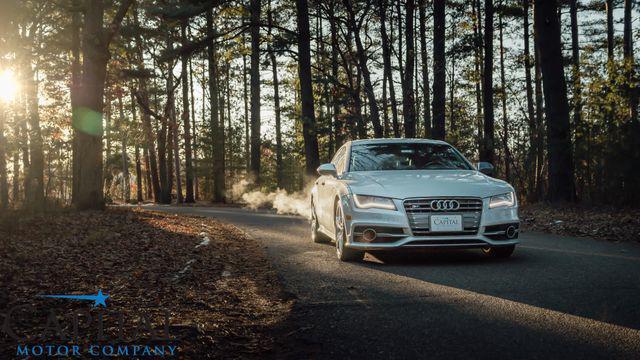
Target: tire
(343,252)
(501,252)
(316,235)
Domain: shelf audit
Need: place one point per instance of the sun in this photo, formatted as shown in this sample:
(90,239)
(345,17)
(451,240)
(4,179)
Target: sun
(8,86)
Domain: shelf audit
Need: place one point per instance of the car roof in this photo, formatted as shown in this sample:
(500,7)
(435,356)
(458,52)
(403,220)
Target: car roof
(396,140)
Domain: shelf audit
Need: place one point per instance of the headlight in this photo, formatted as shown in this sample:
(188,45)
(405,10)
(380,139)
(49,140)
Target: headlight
(373,202)
(502,200)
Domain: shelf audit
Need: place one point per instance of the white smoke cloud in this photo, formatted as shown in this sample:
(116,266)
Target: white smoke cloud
(238,189)
(296,203)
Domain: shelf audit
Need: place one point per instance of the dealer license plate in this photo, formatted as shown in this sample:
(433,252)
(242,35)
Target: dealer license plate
(446,223)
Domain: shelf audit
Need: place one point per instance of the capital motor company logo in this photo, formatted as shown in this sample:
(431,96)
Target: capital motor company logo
(84,334)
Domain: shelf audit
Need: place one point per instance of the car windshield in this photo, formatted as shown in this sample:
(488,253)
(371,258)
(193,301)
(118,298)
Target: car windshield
(406,156)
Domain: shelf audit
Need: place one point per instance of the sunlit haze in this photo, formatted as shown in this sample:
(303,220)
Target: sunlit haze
(8,86)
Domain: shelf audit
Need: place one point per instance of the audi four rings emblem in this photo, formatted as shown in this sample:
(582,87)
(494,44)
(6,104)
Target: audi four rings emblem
(444,205)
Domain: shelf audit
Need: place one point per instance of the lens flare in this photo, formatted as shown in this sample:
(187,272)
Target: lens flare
(8,86)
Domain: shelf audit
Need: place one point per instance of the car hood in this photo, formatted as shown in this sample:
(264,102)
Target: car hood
(425,183)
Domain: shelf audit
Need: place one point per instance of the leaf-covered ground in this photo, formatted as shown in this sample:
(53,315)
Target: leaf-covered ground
(220,291)
(602,223)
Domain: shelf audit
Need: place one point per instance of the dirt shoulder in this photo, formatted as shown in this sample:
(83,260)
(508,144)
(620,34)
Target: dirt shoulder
(214,284)
(600,223)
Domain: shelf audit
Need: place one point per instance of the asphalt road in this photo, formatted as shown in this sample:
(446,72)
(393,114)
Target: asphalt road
(556,297)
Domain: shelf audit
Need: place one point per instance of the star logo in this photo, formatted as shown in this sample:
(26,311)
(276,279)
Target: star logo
(98,299)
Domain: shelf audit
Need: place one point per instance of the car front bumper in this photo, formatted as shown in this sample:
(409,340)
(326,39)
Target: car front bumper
(491,230)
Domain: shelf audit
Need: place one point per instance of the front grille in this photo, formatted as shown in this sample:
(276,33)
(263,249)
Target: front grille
(419,213)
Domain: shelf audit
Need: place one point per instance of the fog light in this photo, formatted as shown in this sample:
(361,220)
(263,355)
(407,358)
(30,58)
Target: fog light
(511,232)
(369,235)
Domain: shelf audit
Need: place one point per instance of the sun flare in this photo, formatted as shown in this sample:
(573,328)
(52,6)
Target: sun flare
(8,86)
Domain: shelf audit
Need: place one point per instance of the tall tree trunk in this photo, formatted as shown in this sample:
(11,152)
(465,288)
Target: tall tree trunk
(561,186)
(186,120)
(164,154)
(151,160)
(505,120)
(577,94)
(148,177)
(306,89)
(228,135)
(531,153)
(452,115)
(386,58)
(338,125)
(107,126)
(176,149)
(222,108)
(139,197)
(221,129)
(400,46)
(255,89)
(217,134)
(89,121)
(385,74)
(206,73)
(173,161)
(354,124)
(245,96)
(439,63)
(35,174)
(609,121)
(426,92)
(361,115)
(320,119)
(408,98)
(478,63)
(170,152)
(75,87)
(632,173)
(540,138)
(126,188)
(276,109)
(15,193)
(196,192)
(385,106)
(325,98)
(630,61)
(139,174)
(416,75)
(152,169)
(24,143)
(488,148)
(610,31)
(364,69)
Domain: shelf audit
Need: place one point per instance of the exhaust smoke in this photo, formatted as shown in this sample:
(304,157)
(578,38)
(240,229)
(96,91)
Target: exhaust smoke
(296,203)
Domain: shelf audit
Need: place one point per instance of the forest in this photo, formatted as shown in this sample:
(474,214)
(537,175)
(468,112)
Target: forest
(165,101)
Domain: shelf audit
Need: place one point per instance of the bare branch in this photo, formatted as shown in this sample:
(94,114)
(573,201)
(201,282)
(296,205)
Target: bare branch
(114,27)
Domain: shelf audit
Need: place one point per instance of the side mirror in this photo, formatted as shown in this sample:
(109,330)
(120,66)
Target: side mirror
(328,169)
(485,168)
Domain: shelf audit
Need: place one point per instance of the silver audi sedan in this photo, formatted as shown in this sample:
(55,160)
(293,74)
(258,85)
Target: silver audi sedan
(386,194)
